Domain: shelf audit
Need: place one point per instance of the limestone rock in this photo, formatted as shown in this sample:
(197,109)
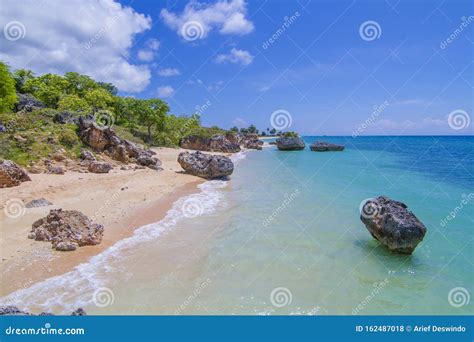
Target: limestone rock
(391,223)
(206,165)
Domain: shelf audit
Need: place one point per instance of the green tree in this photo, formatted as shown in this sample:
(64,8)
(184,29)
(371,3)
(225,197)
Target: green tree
(109,87)
(48,88)
(153,115)
(74,103)
(79,84)
(273,131)
(21,76)
(8,96)
(234,129)
(99,99)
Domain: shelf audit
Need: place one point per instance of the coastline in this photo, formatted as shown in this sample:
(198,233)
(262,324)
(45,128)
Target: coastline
(121,200)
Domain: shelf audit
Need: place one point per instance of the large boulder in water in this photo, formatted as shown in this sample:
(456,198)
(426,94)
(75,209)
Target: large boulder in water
(67,230)
(391,223)
(217,143)
(206,165)
(290,143)
(320,146)
(11,174)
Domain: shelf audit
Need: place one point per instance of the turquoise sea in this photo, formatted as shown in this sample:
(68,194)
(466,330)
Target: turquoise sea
(283,236)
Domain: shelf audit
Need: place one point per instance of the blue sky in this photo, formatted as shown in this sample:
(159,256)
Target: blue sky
(322,70)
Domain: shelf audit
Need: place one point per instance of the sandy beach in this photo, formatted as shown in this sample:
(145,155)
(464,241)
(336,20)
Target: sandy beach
(121,200)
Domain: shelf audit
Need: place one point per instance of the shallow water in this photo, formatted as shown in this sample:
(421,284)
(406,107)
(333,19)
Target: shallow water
(283,236)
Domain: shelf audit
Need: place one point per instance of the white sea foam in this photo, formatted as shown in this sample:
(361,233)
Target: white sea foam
(66,292)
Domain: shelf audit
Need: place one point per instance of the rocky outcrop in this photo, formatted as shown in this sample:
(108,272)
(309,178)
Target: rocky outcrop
(98,167)
(206,165)
(66,118)
(28,102)
(250,141)
(290,144)
(87,155)
(391,223)
(218,143)
(320,146)
(106,140)
(41,202)
(67,230)
(14,311)
(11,174)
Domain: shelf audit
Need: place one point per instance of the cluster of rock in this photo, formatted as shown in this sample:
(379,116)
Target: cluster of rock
(27,103)
(206,165)
(290,143)
(106,140)
(320,146)
(11,174)
(226,143)
(249,141)
(295,143)
(67,230)
(14,311)
(391,223)
(218,143)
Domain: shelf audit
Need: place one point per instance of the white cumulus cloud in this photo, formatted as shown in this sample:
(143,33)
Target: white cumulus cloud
(92,37)
(235,56)
(148,53)
(228,17)
(165,91)
(168,72)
